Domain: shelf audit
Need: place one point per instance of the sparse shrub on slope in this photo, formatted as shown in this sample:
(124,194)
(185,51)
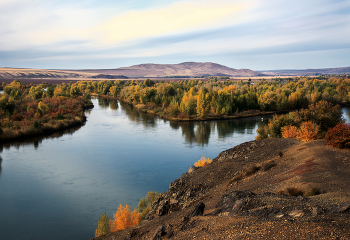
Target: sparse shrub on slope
(200,163)
(339,136)
(146,202)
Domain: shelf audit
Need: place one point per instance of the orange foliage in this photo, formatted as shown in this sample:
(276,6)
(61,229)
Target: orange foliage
(124,218)
(290,131)
(201,163)
(339,136)
(308,131)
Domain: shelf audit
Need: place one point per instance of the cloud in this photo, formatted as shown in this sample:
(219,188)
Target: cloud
(179,17)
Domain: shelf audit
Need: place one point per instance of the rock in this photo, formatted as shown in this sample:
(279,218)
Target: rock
(163,230)
(237,206)
(316,211)
(300,198)
(296,213)
(198,209)
(163,208)
(344,207)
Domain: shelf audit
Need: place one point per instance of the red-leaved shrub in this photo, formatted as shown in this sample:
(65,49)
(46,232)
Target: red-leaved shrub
(339,136)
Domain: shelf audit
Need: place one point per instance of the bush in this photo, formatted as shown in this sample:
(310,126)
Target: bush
(313,191)
(290,132)
(102,226)
(314,122)
(339,136)
(252,170)
(201,163)
(146,202)
(308,131)
(124,218)
(269,165)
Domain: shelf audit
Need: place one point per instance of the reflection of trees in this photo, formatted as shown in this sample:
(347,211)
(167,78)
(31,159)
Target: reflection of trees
(199,132)
(113,104)
(194,132)
(103,102)
(36,141)
(134,115)
(0,164)
(239,126)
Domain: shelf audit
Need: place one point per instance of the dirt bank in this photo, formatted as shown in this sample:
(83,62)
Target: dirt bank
(243,195)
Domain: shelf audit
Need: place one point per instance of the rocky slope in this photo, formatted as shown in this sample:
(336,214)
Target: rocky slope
(210,204)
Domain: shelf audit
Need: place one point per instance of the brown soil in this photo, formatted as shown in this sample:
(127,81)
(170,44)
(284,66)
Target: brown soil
(255,207)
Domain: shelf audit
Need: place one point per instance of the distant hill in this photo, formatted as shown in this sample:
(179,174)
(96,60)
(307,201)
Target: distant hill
(189,69)
(307,72)
(151,70)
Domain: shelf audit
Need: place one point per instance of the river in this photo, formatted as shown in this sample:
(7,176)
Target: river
(56,187)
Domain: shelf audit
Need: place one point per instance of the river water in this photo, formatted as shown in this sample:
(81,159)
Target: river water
(56,187)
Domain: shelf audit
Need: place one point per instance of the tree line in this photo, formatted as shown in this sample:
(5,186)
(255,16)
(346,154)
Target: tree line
(197,99)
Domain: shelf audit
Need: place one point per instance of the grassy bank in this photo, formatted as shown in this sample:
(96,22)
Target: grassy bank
(40,129)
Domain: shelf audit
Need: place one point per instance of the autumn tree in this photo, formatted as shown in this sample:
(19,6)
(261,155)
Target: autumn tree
(102,226)
(124,218)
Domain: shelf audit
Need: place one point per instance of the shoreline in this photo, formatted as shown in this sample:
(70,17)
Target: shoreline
(246,114)
(42,131)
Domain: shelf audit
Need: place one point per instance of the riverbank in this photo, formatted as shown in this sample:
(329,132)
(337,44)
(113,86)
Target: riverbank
(160,112)
(264,189)
(44,129)
(43,126)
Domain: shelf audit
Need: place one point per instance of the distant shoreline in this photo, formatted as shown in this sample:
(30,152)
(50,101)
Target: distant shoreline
(245,114)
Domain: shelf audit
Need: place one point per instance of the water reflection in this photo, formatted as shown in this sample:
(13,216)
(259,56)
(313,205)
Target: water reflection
(199,132)
(0,165)
(193,132)
(37,141)
(148,121)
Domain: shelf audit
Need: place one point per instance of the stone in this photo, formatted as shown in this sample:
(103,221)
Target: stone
(344,207)
(163,230)
(198,209)
(296,213)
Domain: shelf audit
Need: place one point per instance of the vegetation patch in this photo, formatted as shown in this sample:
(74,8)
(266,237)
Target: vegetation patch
(200,163)
(30,110)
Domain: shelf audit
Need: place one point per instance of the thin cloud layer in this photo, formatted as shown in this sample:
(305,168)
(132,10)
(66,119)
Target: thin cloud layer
(78,34)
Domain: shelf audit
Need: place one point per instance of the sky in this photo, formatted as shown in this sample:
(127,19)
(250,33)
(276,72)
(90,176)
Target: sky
(104,34)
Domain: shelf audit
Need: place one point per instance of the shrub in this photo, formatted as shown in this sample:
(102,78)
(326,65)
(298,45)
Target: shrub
(308,131)
(313,191)
(146,202)
(295,191)
(269,165)
(124,218)
(289,131)
(103,225)
(339,136)
(252,170)
(201,163)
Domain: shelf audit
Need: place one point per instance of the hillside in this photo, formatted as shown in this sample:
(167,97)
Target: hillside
(150,70)
(308,72)
(253,207)
(28,73)
(182,69)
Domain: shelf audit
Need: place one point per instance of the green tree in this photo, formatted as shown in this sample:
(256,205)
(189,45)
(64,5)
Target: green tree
(103,225)
(146,202)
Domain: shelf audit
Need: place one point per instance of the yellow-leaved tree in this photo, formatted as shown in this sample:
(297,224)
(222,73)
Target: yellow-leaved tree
(124,218)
